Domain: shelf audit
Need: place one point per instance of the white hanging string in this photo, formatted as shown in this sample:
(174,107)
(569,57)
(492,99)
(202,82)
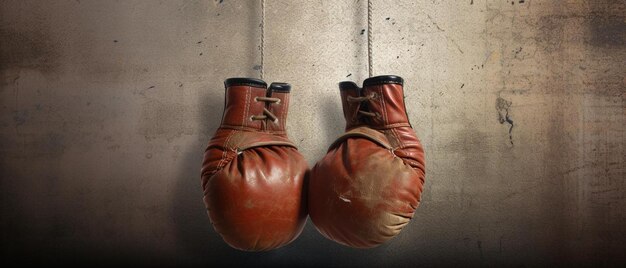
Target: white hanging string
(370,60)
(262,68)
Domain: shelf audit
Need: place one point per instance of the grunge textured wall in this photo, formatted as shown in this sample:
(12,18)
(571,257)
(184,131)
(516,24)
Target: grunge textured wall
(106,107)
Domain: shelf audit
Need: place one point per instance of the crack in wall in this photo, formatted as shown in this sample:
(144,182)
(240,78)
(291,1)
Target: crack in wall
(502,106)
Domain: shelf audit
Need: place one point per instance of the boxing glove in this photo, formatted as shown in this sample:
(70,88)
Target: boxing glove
(368,185)
(252,174)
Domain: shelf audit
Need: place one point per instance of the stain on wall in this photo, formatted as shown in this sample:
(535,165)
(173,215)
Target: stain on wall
(106,108)
(28,49)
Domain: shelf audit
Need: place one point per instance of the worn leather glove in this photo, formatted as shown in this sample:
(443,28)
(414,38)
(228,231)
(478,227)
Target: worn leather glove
(252,174)
(367,187)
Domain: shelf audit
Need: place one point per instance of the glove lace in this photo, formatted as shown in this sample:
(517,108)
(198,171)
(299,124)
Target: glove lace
(266,113)
(362,99)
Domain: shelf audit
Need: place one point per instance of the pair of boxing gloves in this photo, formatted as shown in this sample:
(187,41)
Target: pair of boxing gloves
(258,188)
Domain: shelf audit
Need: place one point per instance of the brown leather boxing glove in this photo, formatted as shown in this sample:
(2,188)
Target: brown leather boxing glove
(252,174)
(367,187)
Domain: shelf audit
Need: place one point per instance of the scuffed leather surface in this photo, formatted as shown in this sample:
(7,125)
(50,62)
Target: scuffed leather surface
(253,176)
(367,187)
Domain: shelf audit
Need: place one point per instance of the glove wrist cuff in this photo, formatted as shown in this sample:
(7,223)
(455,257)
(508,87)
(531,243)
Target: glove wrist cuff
(379,104)
(250,105)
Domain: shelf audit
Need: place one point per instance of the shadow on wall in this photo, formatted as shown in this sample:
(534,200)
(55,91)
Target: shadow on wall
(193,230)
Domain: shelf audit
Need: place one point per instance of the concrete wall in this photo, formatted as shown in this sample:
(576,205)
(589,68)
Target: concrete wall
(106,106)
